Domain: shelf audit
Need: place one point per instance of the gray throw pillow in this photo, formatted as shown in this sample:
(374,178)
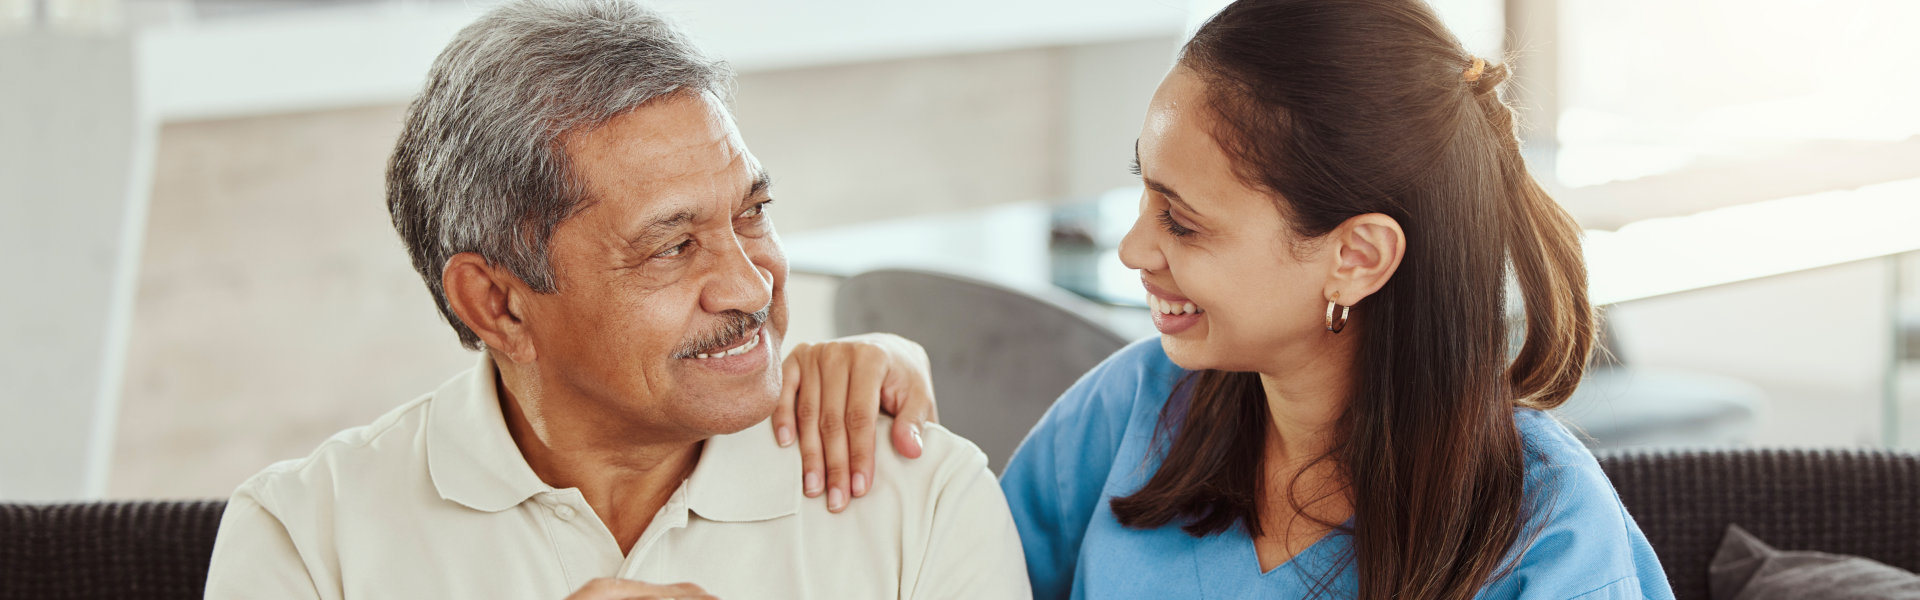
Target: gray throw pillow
(1746,568)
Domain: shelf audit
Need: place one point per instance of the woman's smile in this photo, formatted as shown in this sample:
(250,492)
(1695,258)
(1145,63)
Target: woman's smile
(1172,314)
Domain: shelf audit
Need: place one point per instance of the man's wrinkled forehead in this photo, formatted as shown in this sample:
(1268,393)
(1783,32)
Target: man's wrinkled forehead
(671,137)
(679,149)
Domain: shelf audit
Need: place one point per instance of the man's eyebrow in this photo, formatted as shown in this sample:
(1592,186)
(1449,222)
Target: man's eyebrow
(660,227)
(1156,186)
(761,181)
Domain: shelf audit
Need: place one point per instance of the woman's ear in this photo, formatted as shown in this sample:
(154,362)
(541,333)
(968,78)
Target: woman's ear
(1367,250)
(490,301)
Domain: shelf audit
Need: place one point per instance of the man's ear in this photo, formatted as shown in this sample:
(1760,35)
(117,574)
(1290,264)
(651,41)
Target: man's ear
(490,301)
(1367,250)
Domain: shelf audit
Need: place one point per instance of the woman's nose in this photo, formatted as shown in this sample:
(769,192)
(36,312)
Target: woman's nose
(1138,250)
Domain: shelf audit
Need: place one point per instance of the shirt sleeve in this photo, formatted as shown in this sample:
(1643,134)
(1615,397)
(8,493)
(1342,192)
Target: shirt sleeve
(254,556)
(972,549)
(1054,480)
(1580,541)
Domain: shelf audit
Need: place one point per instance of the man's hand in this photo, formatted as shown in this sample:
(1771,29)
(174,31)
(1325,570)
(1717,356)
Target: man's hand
(625,589)
(830,398)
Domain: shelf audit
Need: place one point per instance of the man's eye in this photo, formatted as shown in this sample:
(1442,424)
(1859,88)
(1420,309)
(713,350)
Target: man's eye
(676,250)
(756,211)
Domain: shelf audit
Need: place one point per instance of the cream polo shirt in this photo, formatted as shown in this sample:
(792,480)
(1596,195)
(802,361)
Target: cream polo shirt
(433,500)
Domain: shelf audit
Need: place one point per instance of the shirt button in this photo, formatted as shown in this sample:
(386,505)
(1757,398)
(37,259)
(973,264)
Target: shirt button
(563,511)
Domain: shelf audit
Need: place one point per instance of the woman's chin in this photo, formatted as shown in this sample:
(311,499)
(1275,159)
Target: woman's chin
(1192,355)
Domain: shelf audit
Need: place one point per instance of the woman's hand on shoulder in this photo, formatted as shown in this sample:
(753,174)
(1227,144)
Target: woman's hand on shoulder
(831,395)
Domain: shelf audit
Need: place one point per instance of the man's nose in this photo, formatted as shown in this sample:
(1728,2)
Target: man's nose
(736,283)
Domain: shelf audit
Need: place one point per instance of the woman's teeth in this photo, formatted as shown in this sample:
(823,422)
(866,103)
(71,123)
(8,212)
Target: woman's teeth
(736,351)
(1171,308)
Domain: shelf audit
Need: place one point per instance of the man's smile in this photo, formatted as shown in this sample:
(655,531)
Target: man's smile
(739,347)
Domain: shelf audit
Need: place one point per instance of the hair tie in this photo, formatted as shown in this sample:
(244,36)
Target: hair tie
(1473,72)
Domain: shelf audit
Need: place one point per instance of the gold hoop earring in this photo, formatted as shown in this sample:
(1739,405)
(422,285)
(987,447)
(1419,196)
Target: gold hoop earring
(1336,326)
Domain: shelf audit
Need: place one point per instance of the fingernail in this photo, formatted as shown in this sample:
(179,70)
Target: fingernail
(785,434)
(813,483)
(916,436)
(836,499)
(859,484)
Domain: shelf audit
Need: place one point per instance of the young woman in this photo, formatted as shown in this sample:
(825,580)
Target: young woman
(1335,200)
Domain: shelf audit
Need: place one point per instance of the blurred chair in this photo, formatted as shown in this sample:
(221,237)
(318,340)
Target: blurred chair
(1000,356)
(1620,405)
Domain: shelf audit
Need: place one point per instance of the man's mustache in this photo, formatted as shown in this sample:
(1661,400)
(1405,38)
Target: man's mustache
(734,325)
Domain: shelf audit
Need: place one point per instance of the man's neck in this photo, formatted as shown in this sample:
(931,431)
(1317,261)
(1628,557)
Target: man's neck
(625,473)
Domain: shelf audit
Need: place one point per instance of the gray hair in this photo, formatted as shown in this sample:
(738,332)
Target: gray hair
(479,166)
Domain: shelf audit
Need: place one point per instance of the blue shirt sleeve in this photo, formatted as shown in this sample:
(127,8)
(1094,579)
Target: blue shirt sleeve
(1054,480)
(1580,542)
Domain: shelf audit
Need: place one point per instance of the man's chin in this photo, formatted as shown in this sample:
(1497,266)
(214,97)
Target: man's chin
(732,414)
(731,393)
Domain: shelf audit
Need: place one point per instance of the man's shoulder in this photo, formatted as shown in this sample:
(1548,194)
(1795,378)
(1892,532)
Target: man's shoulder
(943,455)
(953,522)
(951,474)
(912,490)
(376,451)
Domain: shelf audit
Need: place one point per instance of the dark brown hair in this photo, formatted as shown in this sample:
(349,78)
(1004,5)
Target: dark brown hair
(1347,107)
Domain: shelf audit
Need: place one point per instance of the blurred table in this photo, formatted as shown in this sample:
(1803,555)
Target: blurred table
(1073,245)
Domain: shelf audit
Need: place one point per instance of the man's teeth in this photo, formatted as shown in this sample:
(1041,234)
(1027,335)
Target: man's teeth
(1171,308)
(739,350)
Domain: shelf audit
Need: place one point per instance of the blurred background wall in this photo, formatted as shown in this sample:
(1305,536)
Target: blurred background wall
(194,206)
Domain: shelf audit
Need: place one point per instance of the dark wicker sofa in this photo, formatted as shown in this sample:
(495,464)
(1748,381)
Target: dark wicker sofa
(132,550)
(1858,502)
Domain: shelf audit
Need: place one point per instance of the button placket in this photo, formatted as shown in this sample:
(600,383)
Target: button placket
(671,517)
(559,505)
(583,543)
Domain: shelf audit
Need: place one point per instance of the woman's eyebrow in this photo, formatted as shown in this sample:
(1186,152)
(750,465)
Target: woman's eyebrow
(1157,187)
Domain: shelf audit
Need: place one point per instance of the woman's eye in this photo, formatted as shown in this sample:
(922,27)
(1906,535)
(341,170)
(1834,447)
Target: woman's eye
(676,250)
(1172,226)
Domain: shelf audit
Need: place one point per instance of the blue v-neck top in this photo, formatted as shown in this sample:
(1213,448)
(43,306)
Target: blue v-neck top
(1092,446)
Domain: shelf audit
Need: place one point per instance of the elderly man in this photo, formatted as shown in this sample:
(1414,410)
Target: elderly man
(572,189)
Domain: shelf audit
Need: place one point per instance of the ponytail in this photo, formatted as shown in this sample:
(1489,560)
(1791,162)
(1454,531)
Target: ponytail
(1543,245)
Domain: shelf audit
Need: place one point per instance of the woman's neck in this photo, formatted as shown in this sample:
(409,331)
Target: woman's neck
(1306,398)
(1301,495)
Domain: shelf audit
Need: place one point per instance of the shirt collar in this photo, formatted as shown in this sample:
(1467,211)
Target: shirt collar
(742,476)
(470,455)
(745,476)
